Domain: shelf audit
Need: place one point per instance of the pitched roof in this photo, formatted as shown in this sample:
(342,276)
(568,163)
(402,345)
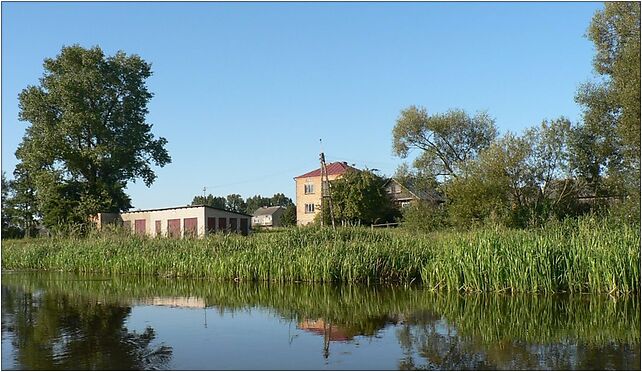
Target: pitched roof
(430,194)
(265,211)
(338,167)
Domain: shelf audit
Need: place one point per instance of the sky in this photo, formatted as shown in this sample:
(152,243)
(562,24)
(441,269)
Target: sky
(243,92)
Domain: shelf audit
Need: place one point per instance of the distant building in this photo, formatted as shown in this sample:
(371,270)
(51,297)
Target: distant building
(405,194)
(308,191)
(268,216)
(196,221)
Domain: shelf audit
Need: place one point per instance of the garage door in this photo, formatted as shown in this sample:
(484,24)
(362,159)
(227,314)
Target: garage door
(139,227)
(190,226)
(174,228)
(244,228)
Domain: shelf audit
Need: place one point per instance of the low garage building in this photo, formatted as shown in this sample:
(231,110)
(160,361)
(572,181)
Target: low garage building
(188,221)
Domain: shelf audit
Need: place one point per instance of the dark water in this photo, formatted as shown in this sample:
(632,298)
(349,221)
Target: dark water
(61,321)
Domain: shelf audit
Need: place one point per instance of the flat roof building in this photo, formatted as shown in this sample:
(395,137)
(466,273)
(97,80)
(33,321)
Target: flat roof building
(188,221)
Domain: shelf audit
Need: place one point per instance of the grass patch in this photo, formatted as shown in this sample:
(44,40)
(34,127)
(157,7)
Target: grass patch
(585,255)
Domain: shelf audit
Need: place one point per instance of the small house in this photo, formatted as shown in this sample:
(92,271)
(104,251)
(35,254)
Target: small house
(268,217)
(188,221)
(405,194)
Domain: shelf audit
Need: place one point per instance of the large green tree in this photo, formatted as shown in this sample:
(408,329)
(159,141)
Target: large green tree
(615,100)
(235,203)
(446,141)
(606,146)
(88,136)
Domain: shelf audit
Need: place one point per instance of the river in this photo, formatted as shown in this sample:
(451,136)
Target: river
(66,321)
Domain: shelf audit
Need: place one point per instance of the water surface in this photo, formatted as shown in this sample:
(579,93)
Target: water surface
(65,321)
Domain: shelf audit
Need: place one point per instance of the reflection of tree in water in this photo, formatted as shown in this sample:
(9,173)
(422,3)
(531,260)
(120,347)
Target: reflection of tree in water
(59,332)
(435,330)
(430,343)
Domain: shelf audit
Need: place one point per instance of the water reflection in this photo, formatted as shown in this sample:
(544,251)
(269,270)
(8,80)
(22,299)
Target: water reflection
(56,331)
(59,321)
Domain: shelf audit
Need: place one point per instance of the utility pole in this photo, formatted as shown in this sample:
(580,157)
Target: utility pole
(326,192)
(204,188)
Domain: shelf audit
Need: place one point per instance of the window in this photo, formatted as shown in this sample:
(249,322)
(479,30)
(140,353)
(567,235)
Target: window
(308,188)
(394,189)
(309,208)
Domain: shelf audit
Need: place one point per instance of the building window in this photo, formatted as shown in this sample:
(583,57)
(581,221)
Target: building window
(394,189)
(309,208)
(308,188)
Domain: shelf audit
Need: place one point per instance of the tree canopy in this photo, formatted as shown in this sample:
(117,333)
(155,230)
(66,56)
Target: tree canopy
(88,136)
(447,141)
(358,197)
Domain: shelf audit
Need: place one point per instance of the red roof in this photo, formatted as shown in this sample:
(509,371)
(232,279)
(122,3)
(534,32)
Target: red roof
(339,167)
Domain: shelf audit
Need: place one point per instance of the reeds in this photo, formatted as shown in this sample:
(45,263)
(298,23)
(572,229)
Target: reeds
(586,255)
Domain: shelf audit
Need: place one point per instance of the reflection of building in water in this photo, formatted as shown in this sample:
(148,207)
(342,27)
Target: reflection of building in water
(190,302)
(323,328)
(329,332)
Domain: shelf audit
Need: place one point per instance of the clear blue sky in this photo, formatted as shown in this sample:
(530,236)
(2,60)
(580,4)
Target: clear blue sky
(244,91)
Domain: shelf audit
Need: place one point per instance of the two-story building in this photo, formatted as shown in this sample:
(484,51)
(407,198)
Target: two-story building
(308,191)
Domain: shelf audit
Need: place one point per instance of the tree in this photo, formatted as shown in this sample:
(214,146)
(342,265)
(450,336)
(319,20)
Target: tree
(359,197)
(255,202)
(235,203)
(210,200)
(88,136)
(281,200)
(23,202)
(447,141)
(8,229)
(289,216)
(615,32)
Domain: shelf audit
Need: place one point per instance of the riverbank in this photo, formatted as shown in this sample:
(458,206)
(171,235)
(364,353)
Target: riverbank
(586,255)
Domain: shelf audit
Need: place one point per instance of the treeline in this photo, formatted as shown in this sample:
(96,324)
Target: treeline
(554,170)
(235,203)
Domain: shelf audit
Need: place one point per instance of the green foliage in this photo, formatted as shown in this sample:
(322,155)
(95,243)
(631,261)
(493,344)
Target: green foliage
(289,216)
(424,216)
(606,147)
(210,200)
(615,102)
(281,200)
(235,203)
(88,136)
(584,255)
(255,202)
(447,141)
(358,197)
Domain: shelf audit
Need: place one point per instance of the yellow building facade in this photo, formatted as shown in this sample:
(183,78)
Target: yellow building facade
(308,191)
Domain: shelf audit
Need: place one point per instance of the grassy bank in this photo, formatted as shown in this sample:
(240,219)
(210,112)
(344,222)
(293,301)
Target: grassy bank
(584,255)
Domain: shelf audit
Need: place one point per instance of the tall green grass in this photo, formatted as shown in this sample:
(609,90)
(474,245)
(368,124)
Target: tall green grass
(586,255)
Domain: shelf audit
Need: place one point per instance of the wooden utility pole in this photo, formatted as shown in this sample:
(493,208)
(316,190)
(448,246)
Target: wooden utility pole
(326,192)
